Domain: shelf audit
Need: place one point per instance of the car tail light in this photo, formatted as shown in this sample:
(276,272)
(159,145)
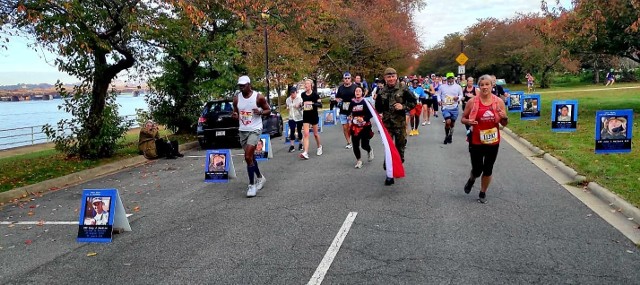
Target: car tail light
(202,120)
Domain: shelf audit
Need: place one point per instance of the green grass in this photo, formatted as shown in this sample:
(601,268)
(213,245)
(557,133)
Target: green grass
(31,168)
(619,173)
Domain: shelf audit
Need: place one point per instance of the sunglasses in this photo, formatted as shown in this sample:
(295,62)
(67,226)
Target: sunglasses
(240,86)
(346,78)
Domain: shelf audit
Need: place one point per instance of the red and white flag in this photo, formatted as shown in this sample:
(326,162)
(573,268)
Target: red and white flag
(392,159)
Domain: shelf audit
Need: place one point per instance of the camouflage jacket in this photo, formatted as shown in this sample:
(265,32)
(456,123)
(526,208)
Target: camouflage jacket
(385,100)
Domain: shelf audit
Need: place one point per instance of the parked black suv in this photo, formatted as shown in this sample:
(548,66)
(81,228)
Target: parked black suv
(216,125)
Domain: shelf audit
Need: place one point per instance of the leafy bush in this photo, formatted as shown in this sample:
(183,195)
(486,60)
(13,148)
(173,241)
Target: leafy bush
(72,136)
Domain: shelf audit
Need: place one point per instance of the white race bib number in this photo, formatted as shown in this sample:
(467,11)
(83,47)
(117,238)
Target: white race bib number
(345,106)
(448,100)
(489,136)
(308,107)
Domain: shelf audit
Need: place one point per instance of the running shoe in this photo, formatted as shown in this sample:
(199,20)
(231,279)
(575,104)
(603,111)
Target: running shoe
(482,198)
(416,132)
(348,146)
(251,191)
(260,182)
(300,147)
(389,181)
(429,123)
(424,123)
(435,115)
(359,164)
(469,185)
(411,133)
(371,155)
(292,148)
(319,152)
(304,155)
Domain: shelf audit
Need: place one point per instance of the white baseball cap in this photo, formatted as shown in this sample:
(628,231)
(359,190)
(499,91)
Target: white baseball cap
(244,79)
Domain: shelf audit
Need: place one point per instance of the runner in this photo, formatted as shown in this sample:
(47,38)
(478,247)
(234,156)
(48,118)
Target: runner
(345,93)
(414,114)
(530,83)
(249,107)
(392,103)
(310,118)
(427,102)
(469,92)
(294,105)
(448,97)
(361,132)
(436,87)
(485,114)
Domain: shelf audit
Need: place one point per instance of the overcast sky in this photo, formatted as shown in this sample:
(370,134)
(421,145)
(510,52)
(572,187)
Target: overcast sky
(21,64)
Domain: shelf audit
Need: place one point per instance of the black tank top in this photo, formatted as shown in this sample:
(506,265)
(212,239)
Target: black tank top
(466,93)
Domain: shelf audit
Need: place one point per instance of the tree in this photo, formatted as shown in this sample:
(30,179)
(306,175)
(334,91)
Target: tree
(599,27)
(95,41)
(198,62)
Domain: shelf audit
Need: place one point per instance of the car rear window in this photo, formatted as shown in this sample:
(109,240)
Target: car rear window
(217,107)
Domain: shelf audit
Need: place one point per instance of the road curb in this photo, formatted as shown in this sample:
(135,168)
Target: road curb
(623,206)
(79,177)
(603,193)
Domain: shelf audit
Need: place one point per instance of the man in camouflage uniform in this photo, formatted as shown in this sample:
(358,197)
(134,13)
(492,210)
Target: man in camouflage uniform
(392,103)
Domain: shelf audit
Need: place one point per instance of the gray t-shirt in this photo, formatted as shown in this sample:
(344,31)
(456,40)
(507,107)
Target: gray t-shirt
(295,108)
(446,95)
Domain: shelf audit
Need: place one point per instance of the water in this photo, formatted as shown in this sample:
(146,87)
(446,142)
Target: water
(35,114)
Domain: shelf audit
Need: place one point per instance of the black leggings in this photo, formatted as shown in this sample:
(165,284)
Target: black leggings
(415,121)
(363,137)
(482,159)
(293,126)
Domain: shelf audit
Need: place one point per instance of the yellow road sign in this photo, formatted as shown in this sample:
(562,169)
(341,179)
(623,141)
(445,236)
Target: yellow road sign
(462,59)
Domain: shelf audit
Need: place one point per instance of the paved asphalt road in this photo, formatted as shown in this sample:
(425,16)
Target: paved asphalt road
(422,230)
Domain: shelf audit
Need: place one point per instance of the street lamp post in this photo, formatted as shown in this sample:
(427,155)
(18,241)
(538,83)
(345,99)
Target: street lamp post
(461,52)
(265,16)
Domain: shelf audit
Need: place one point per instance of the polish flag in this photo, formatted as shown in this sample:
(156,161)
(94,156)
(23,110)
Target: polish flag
(392,159)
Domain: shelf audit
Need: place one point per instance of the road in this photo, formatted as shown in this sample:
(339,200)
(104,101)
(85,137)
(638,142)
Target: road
(422,230)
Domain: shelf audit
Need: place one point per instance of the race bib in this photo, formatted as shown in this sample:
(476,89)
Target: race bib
(358,108)
(246,117)
(345,106)
(308,107)
(448,100)
(489,136)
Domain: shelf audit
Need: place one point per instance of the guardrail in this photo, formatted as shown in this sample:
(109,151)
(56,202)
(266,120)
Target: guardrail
(32,135)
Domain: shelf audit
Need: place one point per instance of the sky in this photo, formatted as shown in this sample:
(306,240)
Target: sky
(21,64)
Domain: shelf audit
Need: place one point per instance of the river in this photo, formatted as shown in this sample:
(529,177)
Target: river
(35,114)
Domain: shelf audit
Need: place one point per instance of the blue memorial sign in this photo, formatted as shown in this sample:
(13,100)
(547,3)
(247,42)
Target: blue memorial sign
(263,148)
(329,117)
(218,167)
(614,131)
(513,101)
(564,115)
(97,212)
(530,106)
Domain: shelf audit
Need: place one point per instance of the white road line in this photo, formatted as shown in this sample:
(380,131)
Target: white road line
(322,269)
(43,222)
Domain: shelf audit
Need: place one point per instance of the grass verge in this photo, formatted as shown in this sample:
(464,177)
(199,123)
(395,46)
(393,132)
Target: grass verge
(26,169)
(619,173)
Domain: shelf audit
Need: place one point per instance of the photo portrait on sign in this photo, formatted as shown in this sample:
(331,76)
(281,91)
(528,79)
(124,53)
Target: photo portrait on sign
(329,117)
(530,107)
(260,148)
(614,131)
(97,211)
(217,162)
(514,102)
(564,116)
(613,128)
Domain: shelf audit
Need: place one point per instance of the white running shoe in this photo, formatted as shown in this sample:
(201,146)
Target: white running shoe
(260,182)
(428,123)
(359,164)
(319,152)
(424,123)
(251,191)
(371,155)
(349,146)
(304,155)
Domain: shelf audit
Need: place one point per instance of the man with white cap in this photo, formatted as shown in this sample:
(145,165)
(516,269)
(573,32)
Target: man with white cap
(102,217)
(249,106)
